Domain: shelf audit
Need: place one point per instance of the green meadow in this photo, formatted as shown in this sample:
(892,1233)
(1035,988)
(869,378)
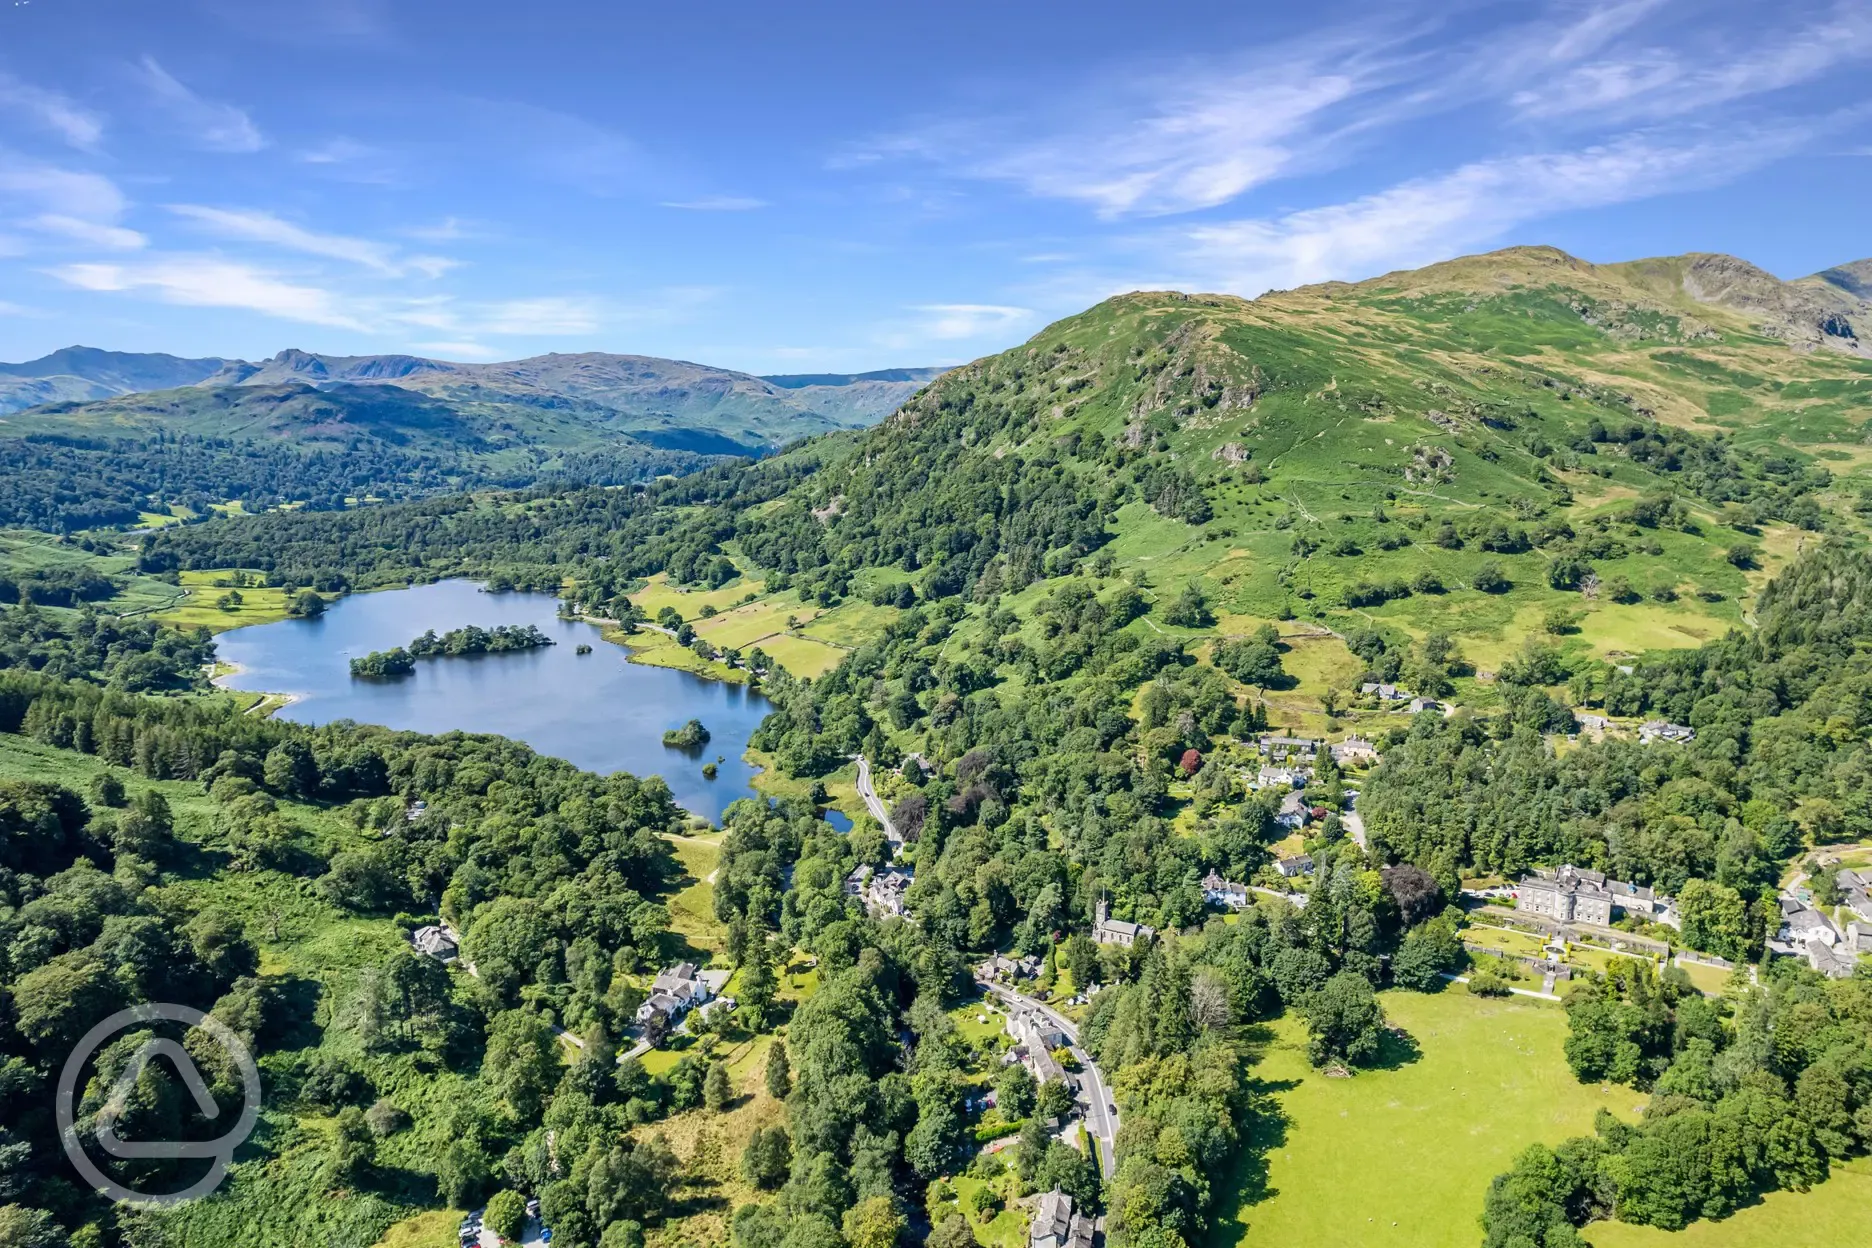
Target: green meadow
(1402,1155)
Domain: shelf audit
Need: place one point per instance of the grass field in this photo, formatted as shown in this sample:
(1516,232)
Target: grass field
(692,910)
(803,656)
(821,637)
(710,1145)
(1832,1215)
(656,649)
(1418,1143)
(257,606)
(434,1229)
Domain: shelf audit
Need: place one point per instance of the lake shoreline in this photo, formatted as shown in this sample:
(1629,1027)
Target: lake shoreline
(598,714)
(271,700)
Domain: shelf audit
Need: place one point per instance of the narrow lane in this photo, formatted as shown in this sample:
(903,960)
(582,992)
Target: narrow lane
(875,804)
(1101,1115)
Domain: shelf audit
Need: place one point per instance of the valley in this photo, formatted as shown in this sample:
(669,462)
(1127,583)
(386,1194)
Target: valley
(1213,662)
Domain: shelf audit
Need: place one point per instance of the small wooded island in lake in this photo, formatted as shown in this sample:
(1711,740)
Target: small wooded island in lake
(691,736)
(501,639)
(384,664)
(474,640)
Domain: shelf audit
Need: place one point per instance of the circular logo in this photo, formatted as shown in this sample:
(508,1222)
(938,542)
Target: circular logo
(220,1150)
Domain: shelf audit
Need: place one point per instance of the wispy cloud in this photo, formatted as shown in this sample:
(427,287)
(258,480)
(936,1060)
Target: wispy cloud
(337,151)
(1432,218)
(215,282)
(950,321)
(717,203)
(572,315)
(62,206)
(90,233)
(575,315)
(1165,142)
(447,230)
(1657,81)
(211,124)
(78,126)
(68,192)
(551,315)
(1205,133)
(254,226)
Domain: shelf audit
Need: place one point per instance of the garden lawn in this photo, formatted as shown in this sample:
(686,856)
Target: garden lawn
(1403,1156)
(1008,1227)
(1832,1215)
(1709,980)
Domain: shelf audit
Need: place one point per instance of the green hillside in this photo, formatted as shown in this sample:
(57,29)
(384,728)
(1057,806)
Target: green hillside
(1368,453)
(1501,447)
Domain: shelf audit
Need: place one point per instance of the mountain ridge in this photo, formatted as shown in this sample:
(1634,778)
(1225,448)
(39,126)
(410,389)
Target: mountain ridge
(641,393)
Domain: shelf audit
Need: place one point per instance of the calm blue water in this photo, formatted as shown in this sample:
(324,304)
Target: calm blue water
(597,711)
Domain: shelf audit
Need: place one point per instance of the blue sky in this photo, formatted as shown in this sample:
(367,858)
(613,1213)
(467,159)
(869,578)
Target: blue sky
(826,186)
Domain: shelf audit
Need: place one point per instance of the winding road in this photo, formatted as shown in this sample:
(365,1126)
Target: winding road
(875,804)
(1101,1114)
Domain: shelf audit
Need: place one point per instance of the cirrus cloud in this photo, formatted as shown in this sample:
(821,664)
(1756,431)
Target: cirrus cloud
(210,124)
(78,126)
(968,320)
(214,282)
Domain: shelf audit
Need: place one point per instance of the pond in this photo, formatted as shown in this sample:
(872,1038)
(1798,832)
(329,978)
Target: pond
(597,710)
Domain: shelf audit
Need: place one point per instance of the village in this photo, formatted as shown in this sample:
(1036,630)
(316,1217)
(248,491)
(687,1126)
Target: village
(1536,932)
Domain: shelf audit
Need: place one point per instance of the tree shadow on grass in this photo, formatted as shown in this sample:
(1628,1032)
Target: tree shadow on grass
(1264,1126)
(1397,1049)
(291,1017)
(699,1195)
(192,860)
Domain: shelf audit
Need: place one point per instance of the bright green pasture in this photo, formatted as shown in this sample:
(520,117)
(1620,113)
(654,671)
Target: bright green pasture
(1403,1156)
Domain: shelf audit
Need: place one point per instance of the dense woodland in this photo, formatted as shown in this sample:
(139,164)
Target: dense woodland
(1763,1090)
(63,484)
(551,872)
(136,656)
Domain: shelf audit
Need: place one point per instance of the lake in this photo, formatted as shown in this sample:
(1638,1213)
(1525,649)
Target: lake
(596,710)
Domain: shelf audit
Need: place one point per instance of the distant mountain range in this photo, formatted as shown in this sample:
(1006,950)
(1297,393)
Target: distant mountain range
(550,400)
